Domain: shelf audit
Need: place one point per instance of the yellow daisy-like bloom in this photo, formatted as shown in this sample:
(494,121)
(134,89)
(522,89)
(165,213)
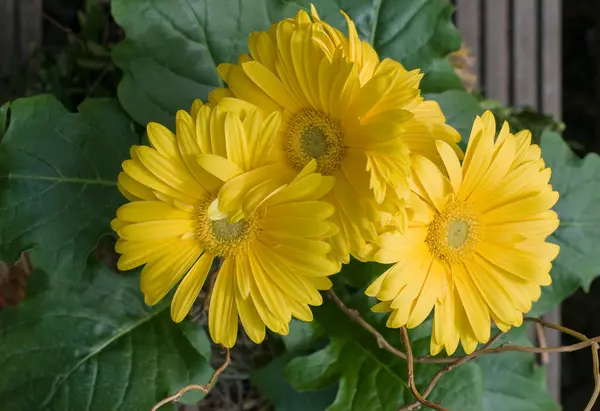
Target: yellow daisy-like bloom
(476,248)
(358,117)
(274,261)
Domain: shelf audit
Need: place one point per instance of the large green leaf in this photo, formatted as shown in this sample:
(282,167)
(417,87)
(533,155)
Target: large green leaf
(578,182)
(85,340)
(272,384)
(460,109)
(513,380)
(58,175)
(458,390)
(172,48)
(370,377)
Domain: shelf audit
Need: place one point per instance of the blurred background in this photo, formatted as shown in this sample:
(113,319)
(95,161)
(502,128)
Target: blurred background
(534,62)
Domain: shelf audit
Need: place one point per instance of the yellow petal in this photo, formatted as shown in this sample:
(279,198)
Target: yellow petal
(137,171)
(173,174)
(434,182)
(270,84)
(220,167)
(188,290)
(523,208)
(476,310)
(432,287)
(163,141)
(136,253)
(222,306)
(134,187)
(270,320)
(159,276)
(251,321)
(517,263)
(299,227)
(270,292)
(141,211)
(149,230)
(235,137)
(451,163)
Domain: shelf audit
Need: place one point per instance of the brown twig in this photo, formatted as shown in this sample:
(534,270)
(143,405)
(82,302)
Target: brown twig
(384,344)
(196,387)
(411,374)
(63,28)
(594,347)
(541,337)
(98,79)
(354,315)
(446,369)
(453,362)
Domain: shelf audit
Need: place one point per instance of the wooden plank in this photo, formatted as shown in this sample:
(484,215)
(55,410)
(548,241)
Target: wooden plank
(551,95)
(7,34)
(497,50)
(30,19)
(525,54)
(468,18)
(553,368)
(552,58)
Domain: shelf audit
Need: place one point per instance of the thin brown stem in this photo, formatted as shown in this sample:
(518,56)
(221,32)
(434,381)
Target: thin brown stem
(411,374)
(446,369)
(594,347)
(354,315)
(541,337)
(384,344)
(63,28)
(196,387)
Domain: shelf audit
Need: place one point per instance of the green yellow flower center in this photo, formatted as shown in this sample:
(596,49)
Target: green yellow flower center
(453,233)
(312,134)
(220,236)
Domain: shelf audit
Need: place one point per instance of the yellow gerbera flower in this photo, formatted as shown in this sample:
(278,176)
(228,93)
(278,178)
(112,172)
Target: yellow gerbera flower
(359,117)
(476,245)
(273,260)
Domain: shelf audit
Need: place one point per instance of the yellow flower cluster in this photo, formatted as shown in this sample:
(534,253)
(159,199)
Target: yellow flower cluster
(318,151)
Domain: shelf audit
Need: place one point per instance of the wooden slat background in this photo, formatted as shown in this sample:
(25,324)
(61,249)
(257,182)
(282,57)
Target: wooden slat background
(20,31)
(517,45)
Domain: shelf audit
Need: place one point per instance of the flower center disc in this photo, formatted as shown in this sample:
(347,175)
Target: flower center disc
(225,231)
(312,134)
(453,233)
(218,235)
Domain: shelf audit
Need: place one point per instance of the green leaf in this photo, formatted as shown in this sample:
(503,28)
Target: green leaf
(272,384)
(302,336)
(460,109)
(578,182)
(360,274)
(169,56)
(419,34)
(88,342)
(4,109)
(369,377)
(458,390)
(513,380)
(58,174)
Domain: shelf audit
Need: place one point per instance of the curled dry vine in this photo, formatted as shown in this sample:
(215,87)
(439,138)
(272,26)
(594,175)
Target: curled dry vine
(453,362)
(195,387)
